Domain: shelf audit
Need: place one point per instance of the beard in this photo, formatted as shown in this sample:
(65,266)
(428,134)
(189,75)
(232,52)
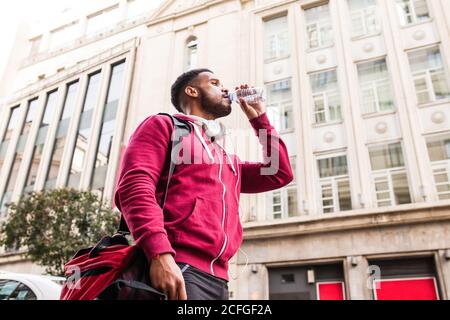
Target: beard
(214,107)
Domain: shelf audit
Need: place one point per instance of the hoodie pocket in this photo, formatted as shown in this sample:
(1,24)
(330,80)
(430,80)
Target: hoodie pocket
(234,232)
(201,229)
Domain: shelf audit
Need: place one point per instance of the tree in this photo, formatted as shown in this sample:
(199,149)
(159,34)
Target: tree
(53,225)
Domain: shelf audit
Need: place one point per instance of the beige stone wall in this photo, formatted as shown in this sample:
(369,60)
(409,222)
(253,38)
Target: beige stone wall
(402,233)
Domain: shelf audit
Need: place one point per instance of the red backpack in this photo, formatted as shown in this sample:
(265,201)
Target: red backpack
(114,269)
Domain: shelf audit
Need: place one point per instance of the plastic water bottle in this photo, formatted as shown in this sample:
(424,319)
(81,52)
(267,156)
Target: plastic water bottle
(250,95)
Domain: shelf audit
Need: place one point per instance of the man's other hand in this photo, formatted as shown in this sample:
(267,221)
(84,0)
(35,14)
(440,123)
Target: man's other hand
(166,276)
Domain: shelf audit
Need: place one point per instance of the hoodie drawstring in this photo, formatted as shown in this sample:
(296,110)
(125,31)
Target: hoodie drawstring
(199,136)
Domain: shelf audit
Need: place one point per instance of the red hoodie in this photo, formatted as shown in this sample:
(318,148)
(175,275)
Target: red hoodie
(199,224)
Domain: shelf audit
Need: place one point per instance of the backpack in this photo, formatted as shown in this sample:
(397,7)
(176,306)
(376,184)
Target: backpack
(113,269)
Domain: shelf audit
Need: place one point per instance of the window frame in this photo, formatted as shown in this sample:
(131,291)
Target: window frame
(319,24)
(325,96)
(375,86)
(333,181)
(414,18)
(283,193)
(282,106)
(266,36)
(363,15)
(387,173)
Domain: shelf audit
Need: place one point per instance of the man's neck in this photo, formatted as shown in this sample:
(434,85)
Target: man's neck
(195,116)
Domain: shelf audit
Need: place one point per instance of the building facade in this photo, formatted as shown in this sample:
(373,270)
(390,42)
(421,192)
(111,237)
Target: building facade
(358,89)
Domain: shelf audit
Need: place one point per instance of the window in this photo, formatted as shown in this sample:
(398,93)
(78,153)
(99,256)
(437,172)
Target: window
(279,105)
(334,184)
(318,27)
(315,282)
(283,202)
(107,127)
(63,35)
(327,102)
(429,75)
(50,108)
(192,54)
(389,175)
(140,7)
(61,135)
(12,124)
(11,180)
(102,19)
(84,131)
(14,290)
(439,153)
(375,87)
(412,11)
(276,38)
(406,279)
(35,45)
(364,17)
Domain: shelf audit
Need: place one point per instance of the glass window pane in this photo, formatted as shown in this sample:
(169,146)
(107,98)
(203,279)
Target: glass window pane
(422,60)
(412,11)
(50,108)
(22,292)
(401,188)
(439,150)
(279,102)
(294,169)
(319,109)
(324,81)
(319,29)
(292,202)
(375,86)
(440,84)
(107,127)
(12,175)
(84,131)
(276,38)
(7,287)
(421,9)
(12,124)
(61,134)
(327,191)
(192,54)
(345,199)
(333,166)
(385,157)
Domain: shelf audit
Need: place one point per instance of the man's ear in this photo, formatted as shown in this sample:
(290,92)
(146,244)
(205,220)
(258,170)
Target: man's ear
(191,92)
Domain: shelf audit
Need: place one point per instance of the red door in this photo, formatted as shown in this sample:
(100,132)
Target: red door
(406,289)
(330,291)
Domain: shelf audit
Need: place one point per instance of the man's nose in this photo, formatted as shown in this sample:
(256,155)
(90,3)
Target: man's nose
(225,90)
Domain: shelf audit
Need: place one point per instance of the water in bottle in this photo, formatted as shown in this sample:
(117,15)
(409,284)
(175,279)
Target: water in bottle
(250,95)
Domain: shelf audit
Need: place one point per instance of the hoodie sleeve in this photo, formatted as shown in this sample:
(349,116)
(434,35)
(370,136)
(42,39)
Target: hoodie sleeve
(142,165)
(275,171)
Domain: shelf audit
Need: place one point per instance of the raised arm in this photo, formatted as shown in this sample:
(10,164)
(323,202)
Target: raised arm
(275,171)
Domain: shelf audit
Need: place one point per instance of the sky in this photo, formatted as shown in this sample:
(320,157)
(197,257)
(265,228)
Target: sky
(15,11)
(12,12)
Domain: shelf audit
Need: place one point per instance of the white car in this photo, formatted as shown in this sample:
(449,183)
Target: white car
(20,286)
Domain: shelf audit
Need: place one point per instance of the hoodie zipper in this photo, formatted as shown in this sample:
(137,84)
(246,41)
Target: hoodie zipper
(223,217)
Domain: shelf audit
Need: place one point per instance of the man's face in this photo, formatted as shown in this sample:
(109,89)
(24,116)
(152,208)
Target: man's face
(213,96)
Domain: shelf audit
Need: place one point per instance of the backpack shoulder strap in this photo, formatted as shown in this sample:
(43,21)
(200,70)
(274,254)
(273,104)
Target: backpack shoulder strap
(181,129)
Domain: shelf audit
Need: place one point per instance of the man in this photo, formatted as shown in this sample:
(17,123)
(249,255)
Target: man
(190,238)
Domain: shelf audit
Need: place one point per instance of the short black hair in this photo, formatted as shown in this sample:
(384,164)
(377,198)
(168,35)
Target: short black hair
(181,83)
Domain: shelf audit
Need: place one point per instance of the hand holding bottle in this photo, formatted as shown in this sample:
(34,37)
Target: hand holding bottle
(250,99)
